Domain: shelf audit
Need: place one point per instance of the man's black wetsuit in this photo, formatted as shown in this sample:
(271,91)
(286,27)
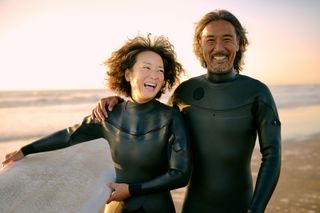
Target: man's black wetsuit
(225,113)
(149,146)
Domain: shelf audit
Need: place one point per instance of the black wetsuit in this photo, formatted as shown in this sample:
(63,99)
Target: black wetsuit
(225,113)
(149,146)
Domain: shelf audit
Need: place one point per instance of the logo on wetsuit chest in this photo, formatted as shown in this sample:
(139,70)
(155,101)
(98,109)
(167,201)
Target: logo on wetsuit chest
(198,93)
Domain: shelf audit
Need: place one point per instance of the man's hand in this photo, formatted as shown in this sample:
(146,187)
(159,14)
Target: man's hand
(13,156)
(99,111)
(120,192)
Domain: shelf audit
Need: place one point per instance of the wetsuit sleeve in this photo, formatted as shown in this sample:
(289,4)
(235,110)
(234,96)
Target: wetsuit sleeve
(179,162)
(88,130)
(268,126)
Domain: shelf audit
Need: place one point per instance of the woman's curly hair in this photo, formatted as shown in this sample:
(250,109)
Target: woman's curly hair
(240,31)
(125,57)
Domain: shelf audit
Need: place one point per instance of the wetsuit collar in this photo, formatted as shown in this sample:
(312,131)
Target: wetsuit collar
(217,78)
(137,107)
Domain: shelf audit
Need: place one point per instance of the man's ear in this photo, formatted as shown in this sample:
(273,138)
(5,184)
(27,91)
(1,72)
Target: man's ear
(238,44)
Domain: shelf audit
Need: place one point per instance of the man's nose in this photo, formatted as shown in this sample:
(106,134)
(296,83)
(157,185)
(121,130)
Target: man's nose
(218,45)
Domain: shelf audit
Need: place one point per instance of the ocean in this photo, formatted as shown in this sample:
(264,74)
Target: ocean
(286,96)
(31,114)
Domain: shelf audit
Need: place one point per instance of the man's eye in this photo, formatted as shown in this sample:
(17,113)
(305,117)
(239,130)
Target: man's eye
(210,40)
(145,67)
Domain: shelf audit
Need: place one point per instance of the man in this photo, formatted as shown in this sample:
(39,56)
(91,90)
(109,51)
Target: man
(225,112)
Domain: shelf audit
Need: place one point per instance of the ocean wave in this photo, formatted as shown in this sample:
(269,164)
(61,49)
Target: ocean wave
(9,99)
(286,96)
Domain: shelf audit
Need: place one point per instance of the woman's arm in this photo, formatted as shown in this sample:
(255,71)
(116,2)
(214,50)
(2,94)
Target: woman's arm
(179,162)
(88,130)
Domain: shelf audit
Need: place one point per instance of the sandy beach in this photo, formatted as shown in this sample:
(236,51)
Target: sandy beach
(298,190)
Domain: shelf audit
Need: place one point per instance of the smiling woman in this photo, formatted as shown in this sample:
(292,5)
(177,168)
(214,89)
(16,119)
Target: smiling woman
(148,140)
(143,69)
(146,77)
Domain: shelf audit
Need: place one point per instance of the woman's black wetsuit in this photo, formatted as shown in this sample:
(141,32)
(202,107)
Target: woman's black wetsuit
(225,113)
(149,147)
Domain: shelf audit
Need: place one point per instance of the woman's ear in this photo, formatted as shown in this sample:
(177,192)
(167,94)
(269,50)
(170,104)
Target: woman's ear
(127,75)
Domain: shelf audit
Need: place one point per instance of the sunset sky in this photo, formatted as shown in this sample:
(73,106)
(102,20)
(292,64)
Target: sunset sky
(60,44)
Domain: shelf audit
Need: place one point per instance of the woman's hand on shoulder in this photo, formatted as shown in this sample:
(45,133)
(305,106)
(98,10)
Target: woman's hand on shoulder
(13,156)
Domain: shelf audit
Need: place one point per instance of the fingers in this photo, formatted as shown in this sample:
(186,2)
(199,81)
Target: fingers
(8,158)
(112,102)
(111,186)
(13,156)
(97,114)
(5,162)
(120,192)
(102,109)
(112,195)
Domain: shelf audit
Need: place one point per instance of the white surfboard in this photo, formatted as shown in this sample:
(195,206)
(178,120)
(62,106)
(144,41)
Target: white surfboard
(67,180)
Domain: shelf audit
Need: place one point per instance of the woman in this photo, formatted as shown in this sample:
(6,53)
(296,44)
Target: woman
(147,139)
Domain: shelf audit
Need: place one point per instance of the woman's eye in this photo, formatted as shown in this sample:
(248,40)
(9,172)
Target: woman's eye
(145,67)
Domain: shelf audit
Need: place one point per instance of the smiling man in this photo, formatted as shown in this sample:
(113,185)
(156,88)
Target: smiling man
(219,46)
(225,112)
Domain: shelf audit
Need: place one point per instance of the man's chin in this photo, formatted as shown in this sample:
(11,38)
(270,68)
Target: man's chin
(219,71)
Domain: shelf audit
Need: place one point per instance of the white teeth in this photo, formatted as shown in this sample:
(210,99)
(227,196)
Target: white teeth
(219,57)
(150,85)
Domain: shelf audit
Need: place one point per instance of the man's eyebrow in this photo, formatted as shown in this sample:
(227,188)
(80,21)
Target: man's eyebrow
(208,36)
(228,35)
(212,36)
(144,62)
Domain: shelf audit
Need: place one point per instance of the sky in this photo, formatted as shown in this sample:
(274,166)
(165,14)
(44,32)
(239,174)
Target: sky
(61,44)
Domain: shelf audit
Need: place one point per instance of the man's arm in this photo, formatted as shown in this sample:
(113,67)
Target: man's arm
(269,132)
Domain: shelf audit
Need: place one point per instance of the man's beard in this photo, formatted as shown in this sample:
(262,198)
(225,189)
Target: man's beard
(219,69)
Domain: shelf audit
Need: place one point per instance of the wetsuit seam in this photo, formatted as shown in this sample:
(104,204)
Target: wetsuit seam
(222,110)
(134,133)
(270,107)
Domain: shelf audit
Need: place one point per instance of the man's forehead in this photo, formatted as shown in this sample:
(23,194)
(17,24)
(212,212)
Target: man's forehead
(219,27)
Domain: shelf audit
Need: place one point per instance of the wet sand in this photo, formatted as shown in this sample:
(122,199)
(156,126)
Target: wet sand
(298,189)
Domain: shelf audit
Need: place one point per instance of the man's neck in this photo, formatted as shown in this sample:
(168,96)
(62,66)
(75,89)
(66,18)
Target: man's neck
(221,77)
